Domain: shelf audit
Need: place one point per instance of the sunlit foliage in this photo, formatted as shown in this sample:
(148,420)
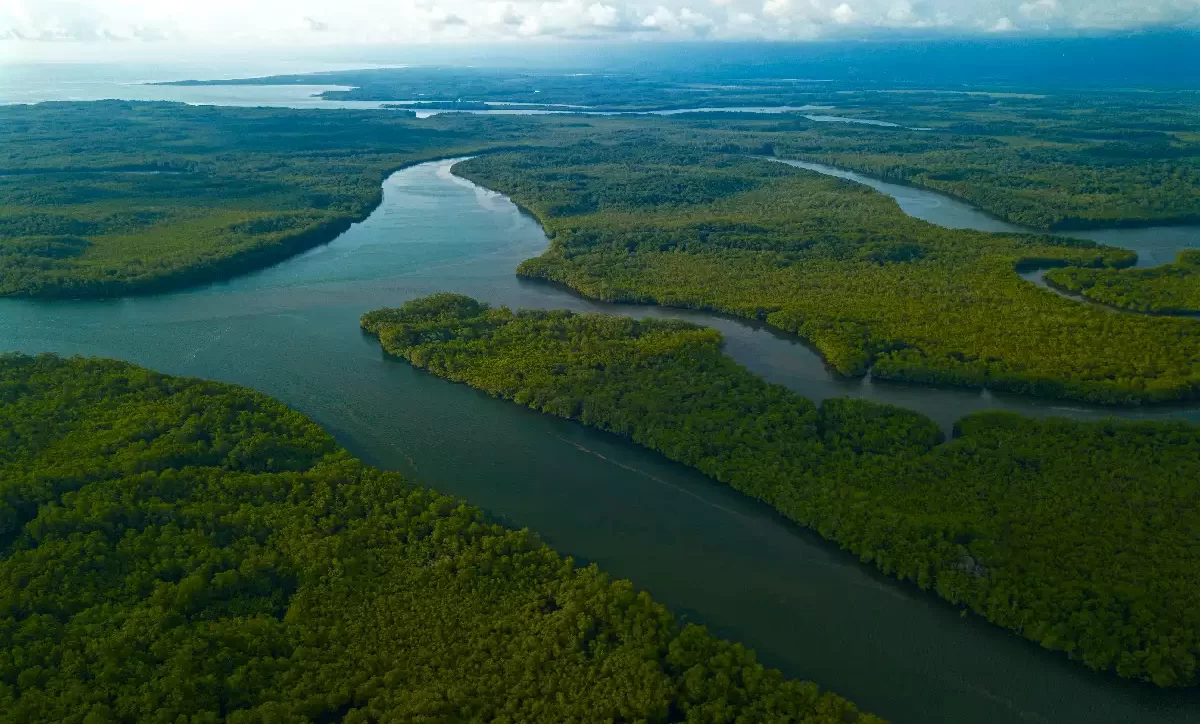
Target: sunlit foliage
(111,198)
(1169,289)
(1038,154)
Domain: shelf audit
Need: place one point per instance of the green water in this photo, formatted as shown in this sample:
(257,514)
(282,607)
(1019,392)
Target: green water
(706,551)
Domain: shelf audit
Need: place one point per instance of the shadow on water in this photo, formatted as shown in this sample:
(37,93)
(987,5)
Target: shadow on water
(725,560)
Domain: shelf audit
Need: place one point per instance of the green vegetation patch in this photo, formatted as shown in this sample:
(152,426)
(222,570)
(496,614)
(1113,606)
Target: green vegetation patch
(1168,289)
(179,550)
(1079,536)
(842,266)
(111,198)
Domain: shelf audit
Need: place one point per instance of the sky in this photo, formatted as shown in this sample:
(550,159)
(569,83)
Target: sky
(70,29)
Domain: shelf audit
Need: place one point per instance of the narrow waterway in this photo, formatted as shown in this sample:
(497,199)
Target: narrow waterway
(706,551)
(1155,245)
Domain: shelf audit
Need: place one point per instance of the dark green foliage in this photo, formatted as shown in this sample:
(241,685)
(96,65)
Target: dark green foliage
(1169,289)
(1079,536)
(840,265)
(174,550)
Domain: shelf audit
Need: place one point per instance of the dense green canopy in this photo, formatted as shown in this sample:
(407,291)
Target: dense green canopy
(1168,289)
(840,265)
(1079,536)
(175,550)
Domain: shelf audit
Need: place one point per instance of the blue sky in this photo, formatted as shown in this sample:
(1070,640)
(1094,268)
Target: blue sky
(49,29)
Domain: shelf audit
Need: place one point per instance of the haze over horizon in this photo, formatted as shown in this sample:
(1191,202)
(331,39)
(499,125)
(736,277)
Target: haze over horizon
(92,30)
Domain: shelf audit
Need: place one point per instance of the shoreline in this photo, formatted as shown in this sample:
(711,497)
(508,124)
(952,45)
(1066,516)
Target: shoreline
(247,261)
(934,379)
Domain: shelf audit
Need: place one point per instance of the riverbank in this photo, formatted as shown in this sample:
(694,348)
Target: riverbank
(1038,276)
(824,261)
(706,551)
(322,548)
(981,519)
(214,269)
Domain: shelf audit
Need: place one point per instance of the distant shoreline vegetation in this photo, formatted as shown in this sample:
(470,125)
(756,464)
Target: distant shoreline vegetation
(174,548)
(451,106)
(1041,526)
(1058,158)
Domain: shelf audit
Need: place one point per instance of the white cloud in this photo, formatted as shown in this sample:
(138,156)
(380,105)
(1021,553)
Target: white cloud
(1038,8)
(530,27)
(776,8)
(299,22)
(698,22)
(502,14)
(660,19)
(901,12)
(603,16)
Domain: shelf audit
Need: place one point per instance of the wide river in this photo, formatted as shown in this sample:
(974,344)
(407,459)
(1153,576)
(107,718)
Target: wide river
(697,546)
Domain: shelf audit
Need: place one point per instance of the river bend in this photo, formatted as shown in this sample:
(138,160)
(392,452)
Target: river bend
(710,553)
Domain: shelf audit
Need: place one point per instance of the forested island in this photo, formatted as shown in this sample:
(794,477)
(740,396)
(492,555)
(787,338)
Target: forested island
(840,265)
(1168,289)
(113,198)
(177,549)
(1078,536)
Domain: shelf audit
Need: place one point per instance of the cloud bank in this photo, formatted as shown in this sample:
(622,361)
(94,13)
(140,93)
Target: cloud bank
(315,22)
